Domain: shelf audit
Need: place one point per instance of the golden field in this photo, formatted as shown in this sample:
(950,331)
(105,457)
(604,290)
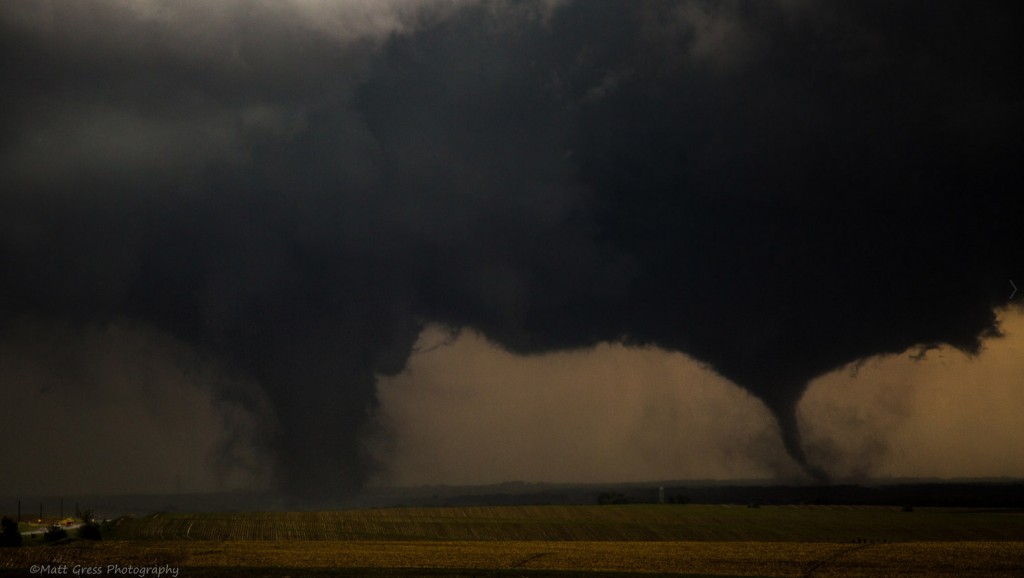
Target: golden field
(204,558)
(622,523)
(548,541)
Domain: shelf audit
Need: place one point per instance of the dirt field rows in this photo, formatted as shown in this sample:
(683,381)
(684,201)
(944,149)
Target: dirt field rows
(549,541)
(590,523)
(204,558)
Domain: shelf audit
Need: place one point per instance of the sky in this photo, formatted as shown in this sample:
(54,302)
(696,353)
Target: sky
(307,245)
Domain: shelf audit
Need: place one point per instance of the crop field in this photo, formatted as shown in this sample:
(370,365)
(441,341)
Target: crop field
(548,541)
(634,523)
(535,559)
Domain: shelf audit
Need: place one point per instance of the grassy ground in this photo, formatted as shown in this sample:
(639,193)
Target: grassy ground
(504,558)
(550,541)
(591,523)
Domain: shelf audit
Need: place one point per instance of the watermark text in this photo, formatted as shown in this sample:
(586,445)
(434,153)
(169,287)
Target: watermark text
(108,570)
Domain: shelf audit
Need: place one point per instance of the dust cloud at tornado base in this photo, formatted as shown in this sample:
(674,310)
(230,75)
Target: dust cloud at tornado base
(125,409)
(470,413)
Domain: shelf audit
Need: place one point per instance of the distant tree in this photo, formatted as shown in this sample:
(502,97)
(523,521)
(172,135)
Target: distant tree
(90,531)
(679,499)
(606,498)
(9,534)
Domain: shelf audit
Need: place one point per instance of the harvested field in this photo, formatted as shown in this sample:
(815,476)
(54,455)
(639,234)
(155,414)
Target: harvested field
(499,558)
(547,541)
(634,523)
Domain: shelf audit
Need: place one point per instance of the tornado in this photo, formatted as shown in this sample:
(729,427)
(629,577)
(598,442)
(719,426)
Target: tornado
(777,189)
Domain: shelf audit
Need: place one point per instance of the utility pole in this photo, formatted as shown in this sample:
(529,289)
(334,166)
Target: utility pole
(62,508)
(40,511)
(19,511)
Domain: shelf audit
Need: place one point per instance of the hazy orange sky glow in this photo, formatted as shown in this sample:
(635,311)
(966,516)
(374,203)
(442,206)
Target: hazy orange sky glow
(471,413)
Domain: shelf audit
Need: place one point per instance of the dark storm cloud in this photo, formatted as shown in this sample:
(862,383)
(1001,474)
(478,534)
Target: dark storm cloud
(776,189)
(194,176)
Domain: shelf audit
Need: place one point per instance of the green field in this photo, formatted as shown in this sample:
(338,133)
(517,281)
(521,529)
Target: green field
(546,541)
